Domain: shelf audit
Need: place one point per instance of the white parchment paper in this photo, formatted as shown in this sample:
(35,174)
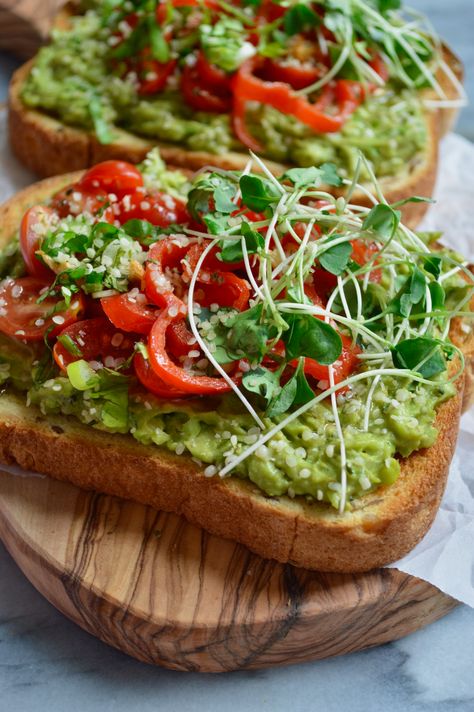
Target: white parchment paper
(445,557)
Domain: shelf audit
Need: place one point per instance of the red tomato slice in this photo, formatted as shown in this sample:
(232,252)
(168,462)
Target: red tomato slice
(76,199)
(152,75)
(152,382)
(179,339)
(129,312)
(201,97)
(118,177)
(35,222)
(212,77)
(312,294)
(163,257)
(297,75)
(157,208)
(23,318)
(167,370)
(324,282)
(224,289)
(95,339)
(362,253)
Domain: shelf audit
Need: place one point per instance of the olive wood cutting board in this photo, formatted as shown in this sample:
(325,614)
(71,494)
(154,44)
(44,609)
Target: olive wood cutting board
(25,24)
(166,592)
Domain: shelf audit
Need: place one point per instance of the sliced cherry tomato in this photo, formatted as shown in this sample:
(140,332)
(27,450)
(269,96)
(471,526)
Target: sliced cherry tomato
(94,339)
(152,382)
(201,97)
(312,294)
(118,177)
(349,94)
(152,75)
(166,369)
(155,207)
(75,200)
(324,282)
(362,253)
(212,77)
(343,367)
(163,256)
(297,75)
(129,312)
(35,222)
(179,339)
(24,318)
(224,289)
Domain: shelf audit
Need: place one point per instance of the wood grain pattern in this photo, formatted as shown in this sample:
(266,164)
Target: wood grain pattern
(25,24)
(165,592)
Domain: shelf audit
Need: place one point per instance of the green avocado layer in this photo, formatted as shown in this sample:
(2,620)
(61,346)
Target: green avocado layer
(302,459)
(71,80)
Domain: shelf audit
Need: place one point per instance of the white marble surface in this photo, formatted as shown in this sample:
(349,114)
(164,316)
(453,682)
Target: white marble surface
(47,664)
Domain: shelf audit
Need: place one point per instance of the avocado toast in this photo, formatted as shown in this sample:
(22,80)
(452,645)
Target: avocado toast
(204,80)
(282,367)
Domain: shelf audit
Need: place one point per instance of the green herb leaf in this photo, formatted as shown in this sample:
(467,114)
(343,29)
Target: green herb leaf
(231,250)
(304,392)
(141,230)
(216,223)
(262,381)
(438,295)
(298,18)
(296,391)
(420,354)
(222,41)
(336,259)
(258,193)
(433,265)
(101,125)
(383,220)
(308,336)
(212,193)
(285,398)
(385,5)
(326,174)
(248,334)
(160,48)
(412,293)
(70,345)
(412,199)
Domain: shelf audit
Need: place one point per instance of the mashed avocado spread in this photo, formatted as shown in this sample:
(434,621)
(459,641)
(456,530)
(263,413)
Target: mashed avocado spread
(303,459)
(71,80)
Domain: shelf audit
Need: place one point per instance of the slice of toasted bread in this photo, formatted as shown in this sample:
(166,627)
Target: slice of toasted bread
(381,528)
(49,147)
